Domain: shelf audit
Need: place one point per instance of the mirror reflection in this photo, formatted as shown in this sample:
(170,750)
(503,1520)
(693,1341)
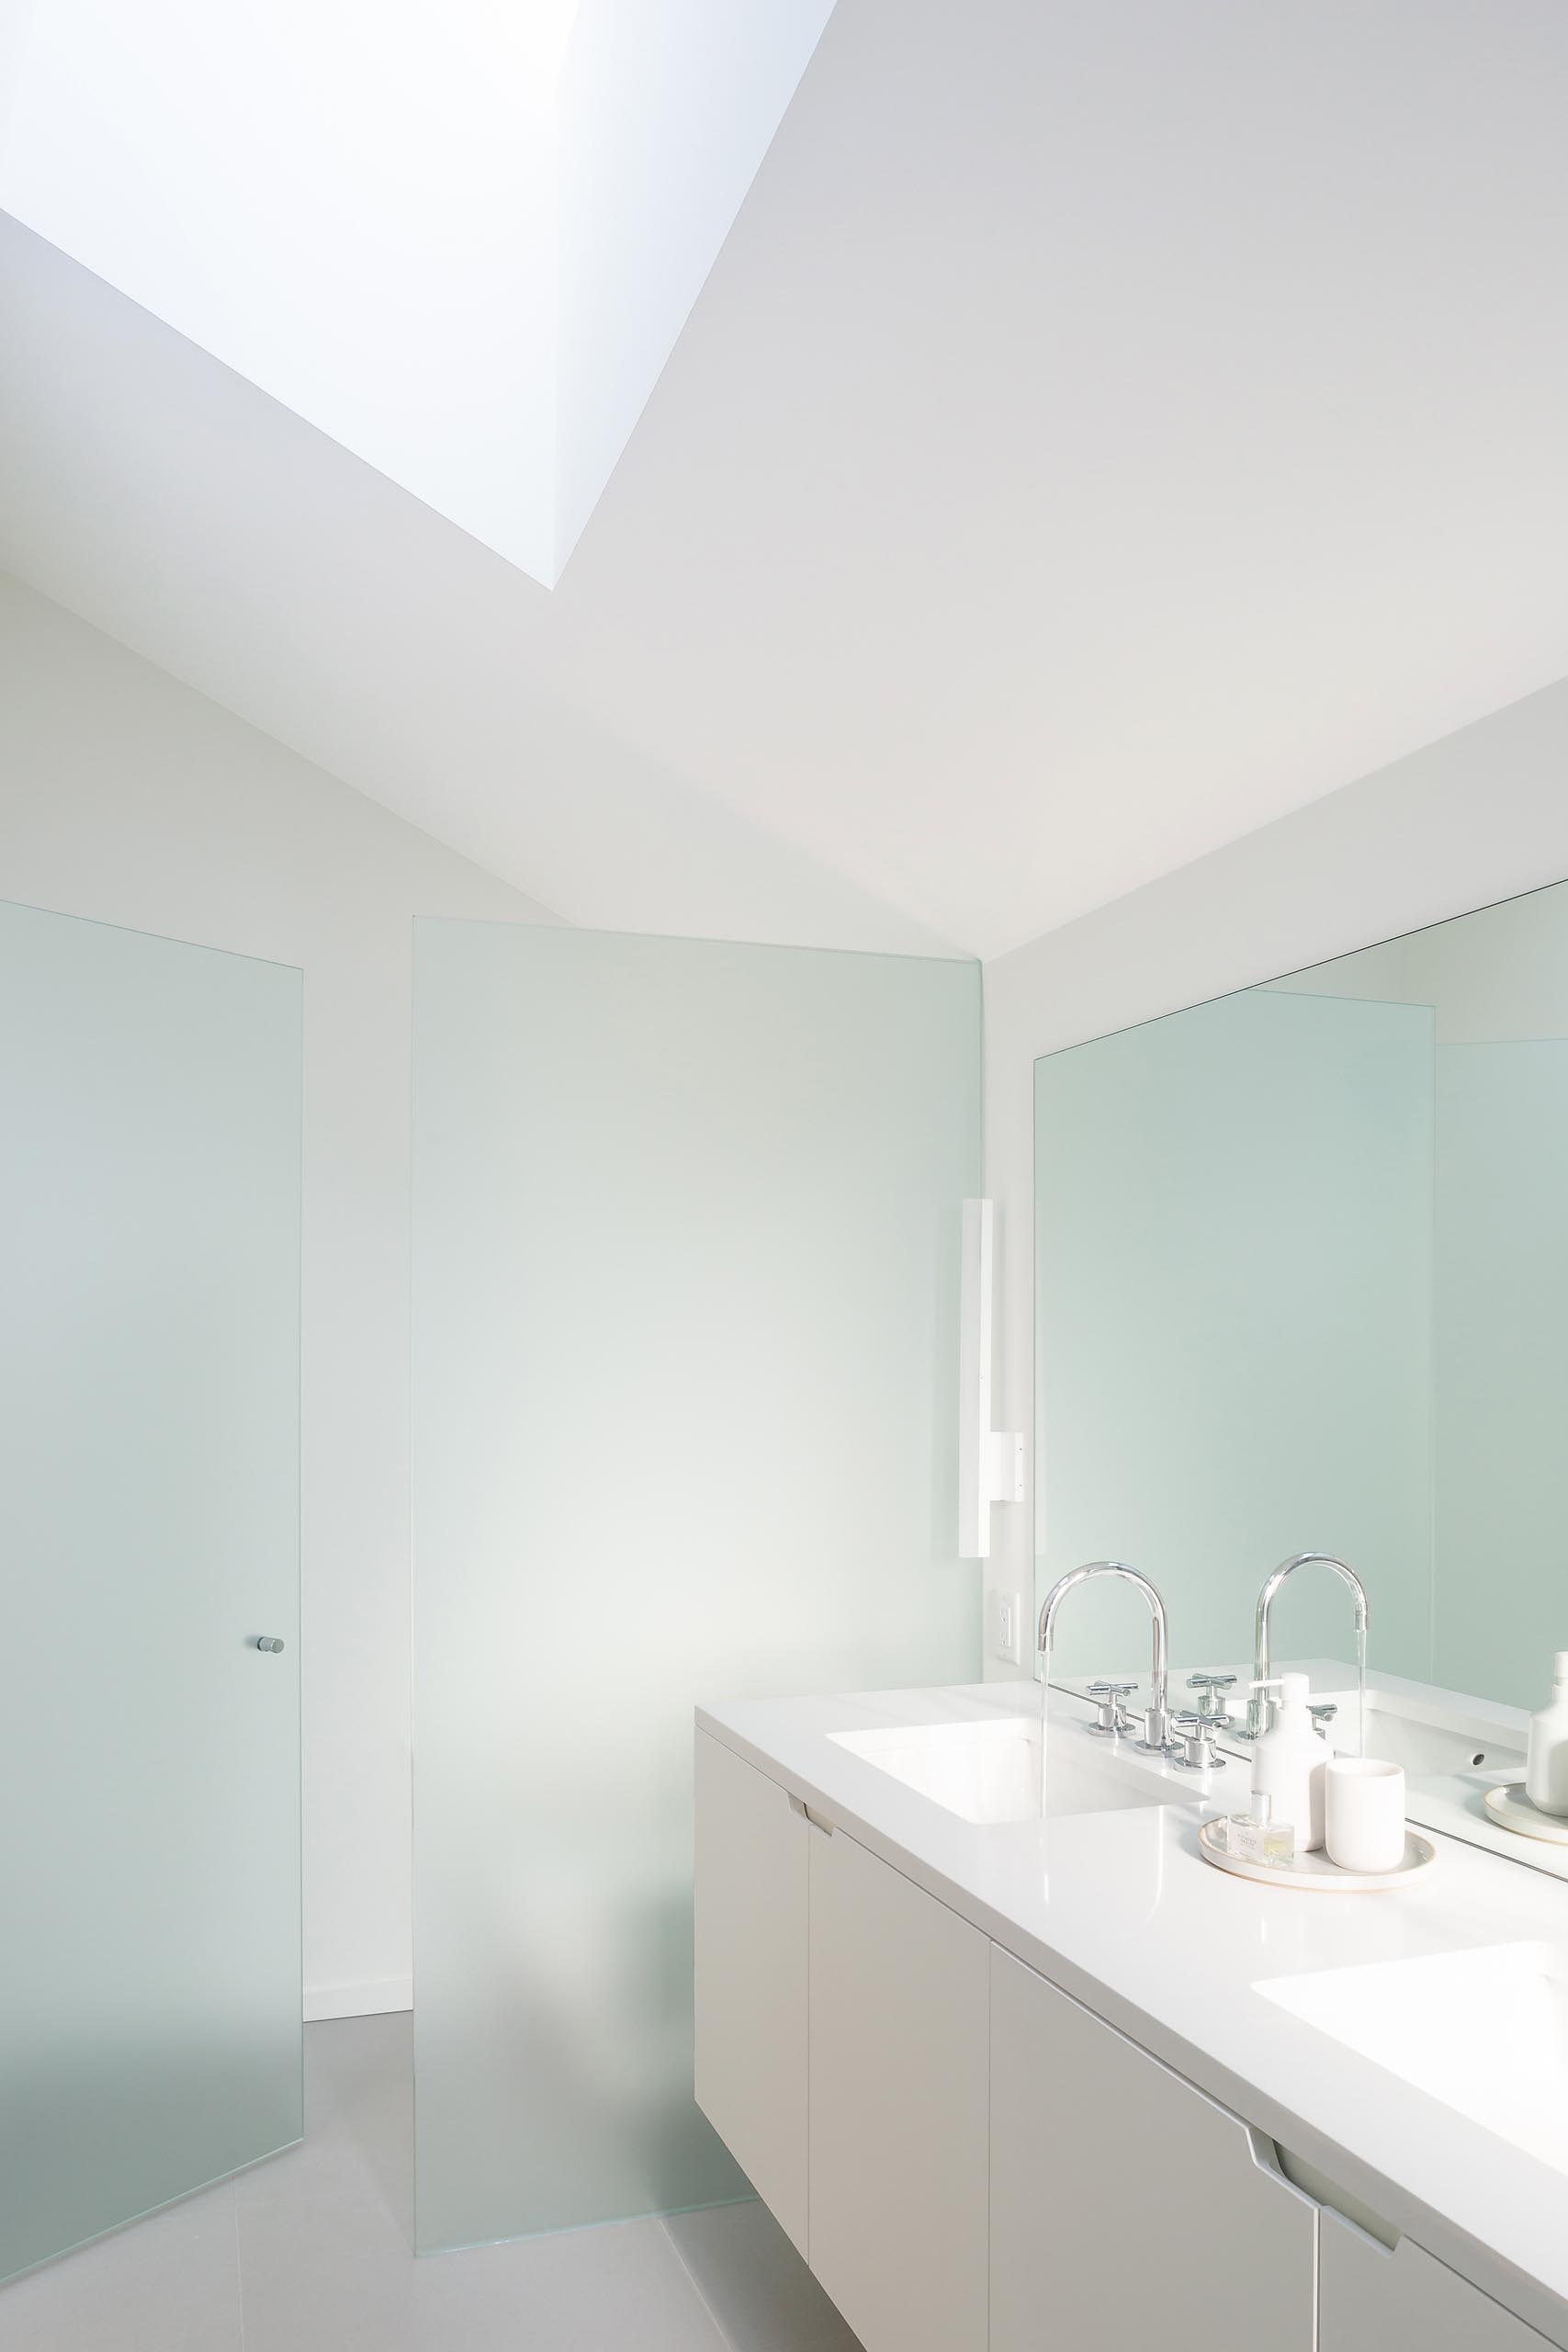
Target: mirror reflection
(1302,1269)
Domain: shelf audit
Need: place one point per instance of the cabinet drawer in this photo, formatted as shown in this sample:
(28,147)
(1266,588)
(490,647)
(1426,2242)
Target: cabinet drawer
(752,1897)
(1371,2298)
(899,1999)
(1128,2208)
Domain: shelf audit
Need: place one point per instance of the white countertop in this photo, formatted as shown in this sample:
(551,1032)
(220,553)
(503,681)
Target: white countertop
(1120,1909)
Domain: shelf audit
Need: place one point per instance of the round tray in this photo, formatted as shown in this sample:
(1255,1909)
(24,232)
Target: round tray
(1511,1809)
(1315,1873)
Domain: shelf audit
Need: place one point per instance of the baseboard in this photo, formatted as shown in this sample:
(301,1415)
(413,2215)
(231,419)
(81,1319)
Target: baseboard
(370,2000)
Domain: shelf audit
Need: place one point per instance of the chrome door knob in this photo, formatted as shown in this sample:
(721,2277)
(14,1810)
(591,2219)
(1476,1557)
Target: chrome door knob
(269,1642)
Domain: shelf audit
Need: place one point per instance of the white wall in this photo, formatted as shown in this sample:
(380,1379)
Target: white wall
(125,797)
(1500,975)
(1476,817)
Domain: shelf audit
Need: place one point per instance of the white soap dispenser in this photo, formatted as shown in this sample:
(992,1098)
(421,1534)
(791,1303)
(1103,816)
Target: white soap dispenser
(1546,1771)
(1288,1761)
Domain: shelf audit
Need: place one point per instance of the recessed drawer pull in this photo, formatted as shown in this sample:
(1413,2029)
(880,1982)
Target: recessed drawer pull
(1310,2182)
(798,1805)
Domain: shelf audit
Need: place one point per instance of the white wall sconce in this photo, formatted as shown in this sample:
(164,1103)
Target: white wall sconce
(990,1462)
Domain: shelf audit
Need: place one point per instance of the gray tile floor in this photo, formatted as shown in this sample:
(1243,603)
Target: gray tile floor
(310,2252)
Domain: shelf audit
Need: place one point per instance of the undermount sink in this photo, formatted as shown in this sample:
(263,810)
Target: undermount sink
(990,1772)
(1484,2032)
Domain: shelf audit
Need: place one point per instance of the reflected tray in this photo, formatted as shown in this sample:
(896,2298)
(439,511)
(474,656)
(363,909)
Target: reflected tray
(1511,1809)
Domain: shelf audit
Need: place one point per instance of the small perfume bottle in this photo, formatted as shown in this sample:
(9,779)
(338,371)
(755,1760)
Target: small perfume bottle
(1255,1836)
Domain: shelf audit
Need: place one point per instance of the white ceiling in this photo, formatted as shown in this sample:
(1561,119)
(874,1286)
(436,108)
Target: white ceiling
(1103,430)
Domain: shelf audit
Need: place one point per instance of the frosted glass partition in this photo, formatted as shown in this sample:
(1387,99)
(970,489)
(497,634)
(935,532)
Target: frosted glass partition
(150,1996)
(1233,1237)
(686,1222)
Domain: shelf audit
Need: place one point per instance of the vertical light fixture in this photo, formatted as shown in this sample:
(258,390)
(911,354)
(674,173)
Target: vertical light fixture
(990,1462)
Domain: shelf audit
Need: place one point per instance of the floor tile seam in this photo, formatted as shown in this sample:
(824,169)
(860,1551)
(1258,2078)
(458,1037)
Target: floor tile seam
(719,2327)
(239,2263)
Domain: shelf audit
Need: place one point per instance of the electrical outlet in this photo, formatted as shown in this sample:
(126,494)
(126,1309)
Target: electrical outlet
(1006,1624)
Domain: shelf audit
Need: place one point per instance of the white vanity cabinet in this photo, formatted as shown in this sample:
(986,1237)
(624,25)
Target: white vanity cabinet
(971,2161)
(842,2056)
(751,1914)
(899,2067)
(1373,2297)
(1127,2209)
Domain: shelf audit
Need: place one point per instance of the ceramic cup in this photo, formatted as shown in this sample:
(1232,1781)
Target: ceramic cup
(1363,1813)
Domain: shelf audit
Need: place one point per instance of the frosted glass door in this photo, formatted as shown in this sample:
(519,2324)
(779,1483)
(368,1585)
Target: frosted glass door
(686,1246)
(150,2003)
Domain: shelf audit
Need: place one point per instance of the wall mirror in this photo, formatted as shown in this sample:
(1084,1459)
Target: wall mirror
(1302,1284)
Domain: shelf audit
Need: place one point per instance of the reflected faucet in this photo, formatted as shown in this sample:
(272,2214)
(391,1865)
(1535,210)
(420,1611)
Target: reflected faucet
(1259,1704)
(1157,1720)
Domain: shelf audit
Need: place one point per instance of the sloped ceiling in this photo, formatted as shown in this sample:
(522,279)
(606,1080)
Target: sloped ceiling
(1103,430)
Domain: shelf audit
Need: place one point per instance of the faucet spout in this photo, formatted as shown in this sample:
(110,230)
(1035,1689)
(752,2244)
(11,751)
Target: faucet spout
(1156,1721)
(1258,1707)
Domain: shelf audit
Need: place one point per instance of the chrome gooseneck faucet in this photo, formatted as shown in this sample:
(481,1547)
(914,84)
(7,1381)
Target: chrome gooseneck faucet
(1258,1707)
(1156,1721)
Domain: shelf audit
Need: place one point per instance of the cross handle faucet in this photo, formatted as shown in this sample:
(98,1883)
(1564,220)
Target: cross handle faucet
(1157,1717)
(1258,1707)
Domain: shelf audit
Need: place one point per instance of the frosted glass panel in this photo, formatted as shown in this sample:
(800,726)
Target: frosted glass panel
(1234,1330)
(1502,1387)
(149,2000)
(686,1222)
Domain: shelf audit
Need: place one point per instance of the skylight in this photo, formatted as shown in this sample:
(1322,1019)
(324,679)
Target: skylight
(461,241)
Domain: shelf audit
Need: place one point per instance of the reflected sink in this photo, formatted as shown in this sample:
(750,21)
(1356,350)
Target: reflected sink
(1486,2033)
(1424,1739)
(990,1772)
(1425,1735)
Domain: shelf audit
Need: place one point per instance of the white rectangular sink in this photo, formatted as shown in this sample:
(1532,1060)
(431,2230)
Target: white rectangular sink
(990,1772)
(1484,2032)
